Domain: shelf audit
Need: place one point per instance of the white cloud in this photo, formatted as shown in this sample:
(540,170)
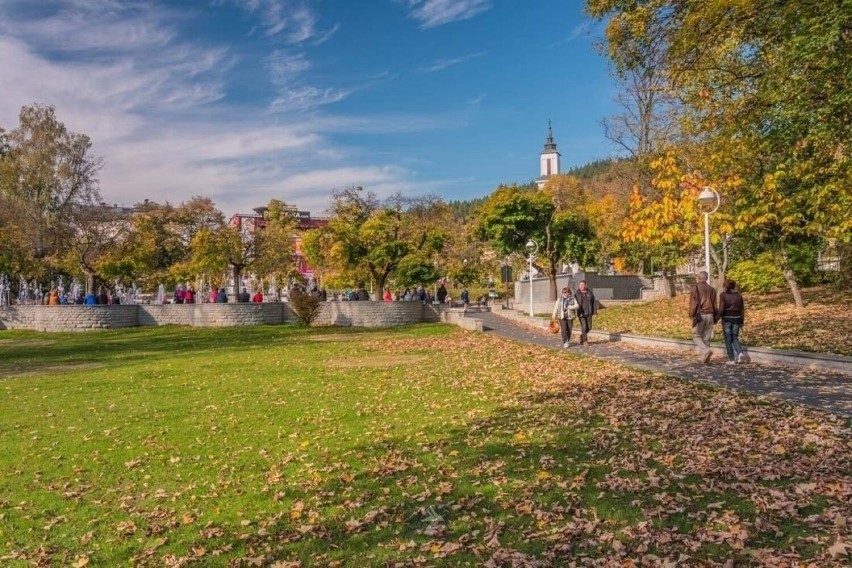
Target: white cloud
(156,108)
(293,20)
(305,98)
(77,25)
(285,66)
(434,13)
(444,63)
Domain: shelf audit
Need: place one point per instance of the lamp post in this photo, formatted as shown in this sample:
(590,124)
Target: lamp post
(532,247)
(709,200)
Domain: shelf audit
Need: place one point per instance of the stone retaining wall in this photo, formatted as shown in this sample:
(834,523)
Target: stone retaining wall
(81,318)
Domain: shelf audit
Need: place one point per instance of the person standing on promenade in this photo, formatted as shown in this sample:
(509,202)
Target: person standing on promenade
(732,313)
(702,310)
(586,308)
(564,311)
(441,294)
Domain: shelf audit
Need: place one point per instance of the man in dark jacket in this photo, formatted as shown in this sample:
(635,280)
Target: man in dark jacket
(586,308)
(702,310)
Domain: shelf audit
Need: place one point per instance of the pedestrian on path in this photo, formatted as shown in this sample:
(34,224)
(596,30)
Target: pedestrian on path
(586,308)
(732,313)
(702,310)
(564,311)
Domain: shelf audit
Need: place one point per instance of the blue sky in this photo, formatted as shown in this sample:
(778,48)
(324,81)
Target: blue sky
(248,100)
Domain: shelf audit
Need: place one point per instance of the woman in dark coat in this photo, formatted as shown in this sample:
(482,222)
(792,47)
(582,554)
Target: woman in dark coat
(732,313)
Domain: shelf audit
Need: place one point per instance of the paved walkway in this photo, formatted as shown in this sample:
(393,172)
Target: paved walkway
(828,391)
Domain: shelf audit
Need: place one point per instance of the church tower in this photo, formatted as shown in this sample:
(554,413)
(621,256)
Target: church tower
(549,160)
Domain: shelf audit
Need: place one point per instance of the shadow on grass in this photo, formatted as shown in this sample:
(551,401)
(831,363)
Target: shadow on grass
(525,486)
(30,352)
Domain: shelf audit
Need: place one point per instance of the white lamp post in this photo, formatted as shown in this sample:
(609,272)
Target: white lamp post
(532,247)
(709,200)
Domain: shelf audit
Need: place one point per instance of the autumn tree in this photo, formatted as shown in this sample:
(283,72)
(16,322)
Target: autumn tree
(365,235)
(95,244)
(764,86)
(45,172)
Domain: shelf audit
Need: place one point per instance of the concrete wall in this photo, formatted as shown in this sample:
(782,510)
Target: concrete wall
(371,314)
(81,318)
(619,287)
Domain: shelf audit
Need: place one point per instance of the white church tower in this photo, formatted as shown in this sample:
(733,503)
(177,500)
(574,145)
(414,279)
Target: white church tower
(549,160)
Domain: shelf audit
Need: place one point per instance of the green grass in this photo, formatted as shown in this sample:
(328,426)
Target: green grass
(414,445)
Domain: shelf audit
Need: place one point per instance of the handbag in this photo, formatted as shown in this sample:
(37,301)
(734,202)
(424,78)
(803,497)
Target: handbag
(553,326)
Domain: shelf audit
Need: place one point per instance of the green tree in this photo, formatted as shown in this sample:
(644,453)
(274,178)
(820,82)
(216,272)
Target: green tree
(366,235)
(46,171)
(552,218)
(95,245)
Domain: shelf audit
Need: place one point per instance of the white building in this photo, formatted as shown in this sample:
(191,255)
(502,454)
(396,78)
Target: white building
(548,160)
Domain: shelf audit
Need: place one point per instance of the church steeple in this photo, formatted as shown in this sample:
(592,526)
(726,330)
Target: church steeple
(549,145)
(549,159)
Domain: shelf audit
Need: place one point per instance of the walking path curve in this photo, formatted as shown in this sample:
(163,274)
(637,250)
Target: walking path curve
(826,390)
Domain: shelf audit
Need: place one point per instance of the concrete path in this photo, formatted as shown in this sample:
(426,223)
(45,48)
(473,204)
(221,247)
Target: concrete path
(825,390)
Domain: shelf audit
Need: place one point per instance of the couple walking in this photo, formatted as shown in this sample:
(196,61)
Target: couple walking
(705,312)
(580,305)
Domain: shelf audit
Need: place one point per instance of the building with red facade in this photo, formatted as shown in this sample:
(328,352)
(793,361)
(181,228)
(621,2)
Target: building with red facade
(251,222)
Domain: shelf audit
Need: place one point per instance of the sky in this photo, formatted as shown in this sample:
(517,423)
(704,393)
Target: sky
(244,101)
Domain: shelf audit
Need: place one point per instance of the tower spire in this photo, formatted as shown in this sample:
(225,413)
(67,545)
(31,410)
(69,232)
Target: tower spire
(549,158)
(549,145)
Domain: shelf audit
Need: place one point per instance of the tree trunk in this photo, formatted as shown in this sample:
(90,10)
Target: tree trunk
(668,283)
(790,277)
(721,264)
(238,269)
(380,286)
(551,278)
(844,277)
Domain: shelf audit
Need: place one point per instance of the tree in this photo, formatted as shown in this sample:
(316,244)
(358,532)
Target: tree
(273,244)
(764,86)
(366,235)
(46,171)
(512,215)
(15,257)
(95,244)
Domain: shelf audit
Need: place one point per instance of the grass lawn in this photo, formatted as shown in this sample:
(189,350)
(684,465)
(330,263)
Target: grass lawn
(422,445)
(772,320)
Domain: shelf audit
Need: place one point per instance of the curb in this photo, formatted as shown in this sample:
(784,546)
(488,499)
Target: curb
(820,361)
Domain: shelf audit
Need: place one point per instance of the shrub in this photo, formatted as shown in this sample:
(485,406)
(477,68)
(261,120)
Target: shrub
(759,275)
(305,306)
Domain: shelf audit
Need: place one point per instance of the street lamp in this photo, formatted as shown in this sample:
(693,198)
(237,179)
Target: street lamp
(709,200)
(532,247)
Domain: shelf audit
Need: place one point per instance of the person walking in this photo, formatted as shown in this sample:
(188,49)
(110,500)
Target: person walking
(732,313)
(465,298)
(564,311)
(702,310)
(586,308)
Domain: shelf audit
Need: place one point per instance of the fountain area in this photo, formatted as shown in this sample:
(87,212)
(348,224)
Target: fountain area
(83,317)
(29,311)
